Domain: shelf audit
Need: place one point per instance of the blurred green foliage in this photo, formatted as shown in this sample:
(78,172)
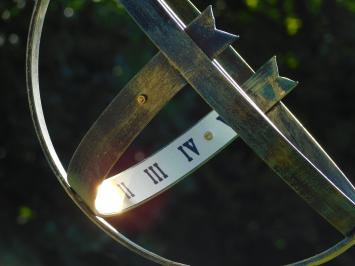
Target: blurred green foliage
(233,211)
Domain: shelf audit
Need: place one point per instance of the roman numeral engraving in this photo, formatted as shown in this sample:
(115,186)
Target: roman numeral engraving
(129,194)
(189,145)
(219,118)
(155,173)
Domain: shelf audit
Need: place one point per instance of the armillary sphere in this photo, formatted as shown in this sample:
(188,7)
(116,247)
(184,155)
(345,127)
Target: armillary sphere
(246,104)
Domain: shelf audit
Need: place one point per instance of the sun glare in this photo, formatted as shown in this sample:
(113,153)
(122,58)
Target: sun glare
(109,199)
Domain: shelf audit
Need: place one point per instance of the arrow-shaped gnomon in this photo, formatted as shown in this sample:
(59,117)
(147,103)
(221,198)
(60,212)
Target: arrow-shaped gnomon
(196,55)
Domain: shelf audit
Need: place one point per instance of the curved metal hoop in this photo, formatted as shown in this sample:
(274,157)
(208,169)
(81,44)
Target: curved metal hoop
(33,46)
(32,61)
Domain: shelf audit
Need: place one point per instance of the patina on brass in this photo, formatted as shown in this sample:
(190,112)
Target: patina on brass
(160,81)
(200,55)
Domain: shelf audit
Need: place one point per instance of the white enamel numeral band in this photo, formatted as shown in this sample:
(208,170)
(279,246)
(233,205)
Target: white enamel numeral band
(163,169)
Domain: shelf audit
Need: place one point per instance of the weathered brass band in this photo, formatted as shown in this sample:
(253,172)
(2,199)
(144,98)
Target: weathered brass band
(335,204)
(125,118)
(121,123)
(50,153)
(265,81)
(32,58)
(285,121)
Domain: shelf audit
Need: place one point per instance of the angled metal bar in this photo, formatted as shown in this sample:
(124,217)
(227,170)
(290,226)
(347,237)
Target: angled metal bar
(130,112)
(209,136)
(284,120)
(44,138)
(156,83)
(242,114)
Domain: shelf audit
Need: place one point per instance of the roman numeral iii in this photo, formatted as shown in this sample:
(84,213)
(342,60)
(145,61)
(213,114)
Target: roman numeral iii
(155,173)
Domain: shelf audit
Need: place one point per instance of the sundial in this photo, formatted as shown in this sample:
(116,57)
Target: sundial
(246,105)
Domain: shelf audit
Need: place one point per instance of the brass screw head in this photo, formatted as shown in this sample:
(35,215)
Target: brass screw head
(208,135)
(141,99)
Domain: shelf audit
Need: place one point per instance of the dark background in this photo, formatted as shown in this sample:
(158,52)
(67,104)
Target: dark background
(234,210)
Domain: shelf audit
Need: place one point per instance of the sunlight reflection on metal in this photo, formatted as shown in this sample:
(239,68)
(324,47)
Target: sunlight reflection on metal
(108,193)
(109,198)
(105,223)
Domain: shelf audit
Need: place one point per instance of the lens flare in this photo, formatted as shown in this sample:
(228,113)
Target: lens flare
(109,199)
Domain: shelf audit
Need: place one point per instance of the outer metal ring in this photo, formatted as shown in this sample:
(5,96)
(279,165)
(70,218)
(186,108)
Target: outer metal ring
(33,88)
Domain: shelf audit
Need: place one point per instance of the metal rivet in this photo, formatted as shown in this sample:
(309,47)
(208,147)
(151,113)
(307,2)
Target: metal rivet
(208,135)
(141,99)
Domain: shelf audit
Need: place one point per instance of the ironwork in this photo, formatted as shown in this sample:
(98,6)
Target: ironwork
(246,104)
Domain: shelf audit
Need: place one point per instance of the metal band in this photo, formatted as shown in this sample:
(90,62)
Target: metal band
(184,155)
(33,45)
(334,203)
(43,135)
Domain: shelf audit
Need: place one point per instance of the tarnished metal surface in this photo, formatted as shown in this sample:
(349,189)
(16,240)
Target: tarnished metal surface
(119,125)
(107,141)
(279,139)
(281,117)
(285,121)
(241,113)
(158,81)
(266,79)
(32,58)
